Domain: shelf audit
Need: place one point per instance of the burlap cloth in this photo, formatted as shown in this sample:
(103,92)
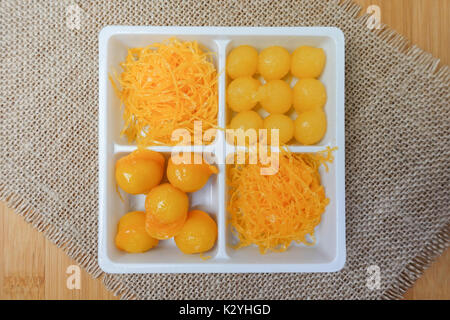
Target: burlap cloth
(397,142)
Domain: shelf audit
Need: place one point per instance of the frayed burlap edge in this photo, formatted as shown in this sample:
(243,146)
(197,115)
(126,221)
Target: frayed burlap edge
(38,221)
(419,264)
(424,61)
(118,288)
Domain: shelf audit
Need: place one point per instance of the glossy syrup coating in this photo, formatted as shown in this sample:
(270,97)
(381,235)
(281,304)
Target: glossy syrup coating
(199,233)
(131,234)
(163,231)
(189,176)
(139,171)
(167,203)
(166,210)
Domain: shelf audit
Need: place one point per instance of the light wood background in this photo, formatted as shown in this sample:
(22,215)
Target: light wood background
(33,268)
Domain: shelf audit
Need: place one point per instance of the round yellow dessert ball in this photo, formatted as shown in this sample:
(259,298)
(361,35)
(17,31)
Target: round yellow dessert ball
(274,63)
(275,96)
(245,120)
(307,62)
(242,94)
(167,203)
(242,61)
(139,171)
(309,94)
(160,230)
(190,176)
(310,127)
(198,234)
(283,123)
(131,235)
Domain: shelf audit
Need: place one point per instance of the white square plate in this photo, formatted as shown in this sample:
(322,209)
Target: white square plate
(327,255)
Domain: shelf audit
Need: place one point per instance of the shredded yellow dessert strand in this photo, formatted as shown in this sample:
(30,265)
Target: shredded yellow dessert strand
(271,211)
(166,86)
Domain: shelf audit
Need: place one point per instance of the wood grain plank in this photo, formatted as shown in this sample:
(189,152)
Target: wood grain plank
(56,269)
(22,260)
(425,23)
(31,267)
(434,283)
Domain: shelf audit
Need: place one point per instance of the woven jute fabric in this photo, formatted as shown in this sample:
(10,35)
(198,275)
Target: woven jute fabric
(397,142)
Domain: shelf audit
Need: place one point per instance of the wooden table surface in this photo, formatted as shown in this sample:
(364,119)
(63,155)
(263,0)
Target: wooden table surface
(33,268)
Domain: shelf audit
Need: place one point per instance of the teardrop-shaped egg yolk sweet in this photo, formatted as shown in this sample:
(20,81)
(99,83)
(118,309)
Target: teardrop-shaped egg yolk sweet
(189,176)
(199,233)
(131,234)
(139,171)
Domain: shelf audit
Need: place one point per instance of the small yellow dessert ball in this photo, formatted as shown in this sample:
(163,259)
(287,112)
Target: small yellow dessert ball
(167,203)
(242,61)
(309,94)
(307,62)
(274,63)
(283,123)
(139,171)
(246,120)
(199,233)
(310,127)
(275,96)
(242,94)
(131,235)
